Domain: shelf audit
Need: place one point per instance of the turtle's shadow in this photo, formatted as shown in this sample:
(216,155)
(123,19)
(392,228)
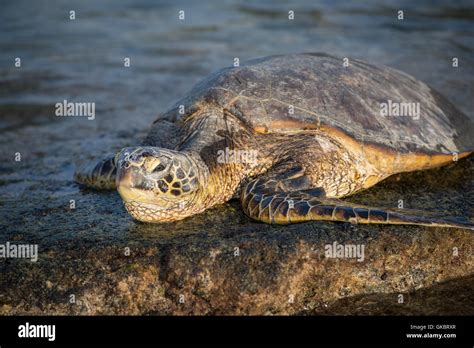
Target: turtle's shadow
(452,297)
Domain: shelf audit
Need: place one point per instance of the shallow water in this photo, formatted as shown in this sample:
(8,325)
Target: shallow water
(82,60)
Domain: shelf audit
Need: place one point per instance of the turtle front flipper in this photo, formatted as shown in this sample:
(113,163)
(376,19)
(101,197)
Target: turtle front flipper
(100,176)
(261,202)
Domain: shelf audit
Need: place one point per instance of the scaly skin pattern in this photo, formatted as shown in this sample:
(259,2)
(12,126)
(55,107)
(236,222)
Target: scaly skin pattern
(285,208)
(100,176)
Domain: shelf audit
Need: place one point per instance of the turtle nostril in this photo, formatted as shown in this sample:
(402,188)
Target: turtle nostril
(146,154)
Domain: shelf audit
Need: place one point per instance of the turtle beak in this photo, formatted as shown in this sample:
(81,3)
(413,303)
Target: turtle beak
(134,176)
(131,180)
(133,185)
(126,176)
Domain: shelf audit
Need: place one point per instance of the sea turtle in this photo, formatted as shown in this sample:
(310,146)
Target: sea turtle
(290,135)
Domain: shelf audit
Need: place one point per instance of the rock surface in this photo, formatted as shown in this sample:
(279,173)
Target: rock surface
(222,263)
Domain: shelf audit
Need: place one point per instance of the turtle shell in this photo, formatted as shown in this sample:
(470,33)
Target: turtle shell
(368,106)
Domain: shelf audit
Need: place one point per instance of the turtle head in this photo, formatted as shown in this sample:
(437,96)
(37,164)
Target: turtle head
(158,185)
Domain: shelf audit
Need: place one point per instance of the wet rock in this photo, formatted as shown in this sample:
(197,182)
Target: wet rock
(242,273)
(95,260)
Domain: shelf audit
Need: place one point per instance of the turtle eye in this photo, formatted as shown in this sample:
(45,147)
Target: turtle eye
(159,168)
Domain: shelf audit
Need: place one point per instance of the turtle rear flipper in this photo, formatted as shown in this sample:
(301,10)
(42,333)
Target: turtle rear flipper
(100,176)
(279,207)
